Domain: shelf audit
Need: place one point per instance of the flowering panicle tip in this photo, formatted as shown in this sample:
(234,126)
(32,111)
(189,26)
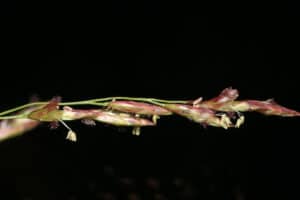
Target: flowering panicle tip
(220,111)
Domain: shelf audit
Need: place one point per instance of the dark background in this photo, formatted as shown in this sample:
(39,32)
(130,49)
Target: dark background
(165,50)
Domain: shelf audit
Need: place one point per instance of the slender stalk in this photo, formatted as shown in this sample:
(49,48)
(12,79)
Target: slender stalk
(22,107)
(95,102)
(139,99)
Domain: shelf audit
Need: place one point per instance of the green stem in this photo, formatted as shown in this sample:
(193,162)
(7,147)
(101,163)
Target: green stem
(139,99)
(96,102)
(45,103)
(22,107)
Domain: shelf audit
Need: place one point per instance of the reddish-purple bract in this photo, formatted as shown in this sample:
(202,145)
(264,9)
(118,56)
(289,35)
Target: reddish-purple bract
(138,108)
(122,119)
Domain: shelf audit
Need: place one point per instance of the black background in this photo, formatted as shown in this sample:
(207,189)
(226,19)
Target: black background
(152,49)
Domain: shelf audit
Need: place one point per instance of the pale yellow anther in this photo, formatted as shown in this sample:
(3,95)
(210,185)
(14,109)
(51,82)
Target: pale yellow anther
(240,121)
(71,136)
(225,121)
(155,118)
(136,131)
